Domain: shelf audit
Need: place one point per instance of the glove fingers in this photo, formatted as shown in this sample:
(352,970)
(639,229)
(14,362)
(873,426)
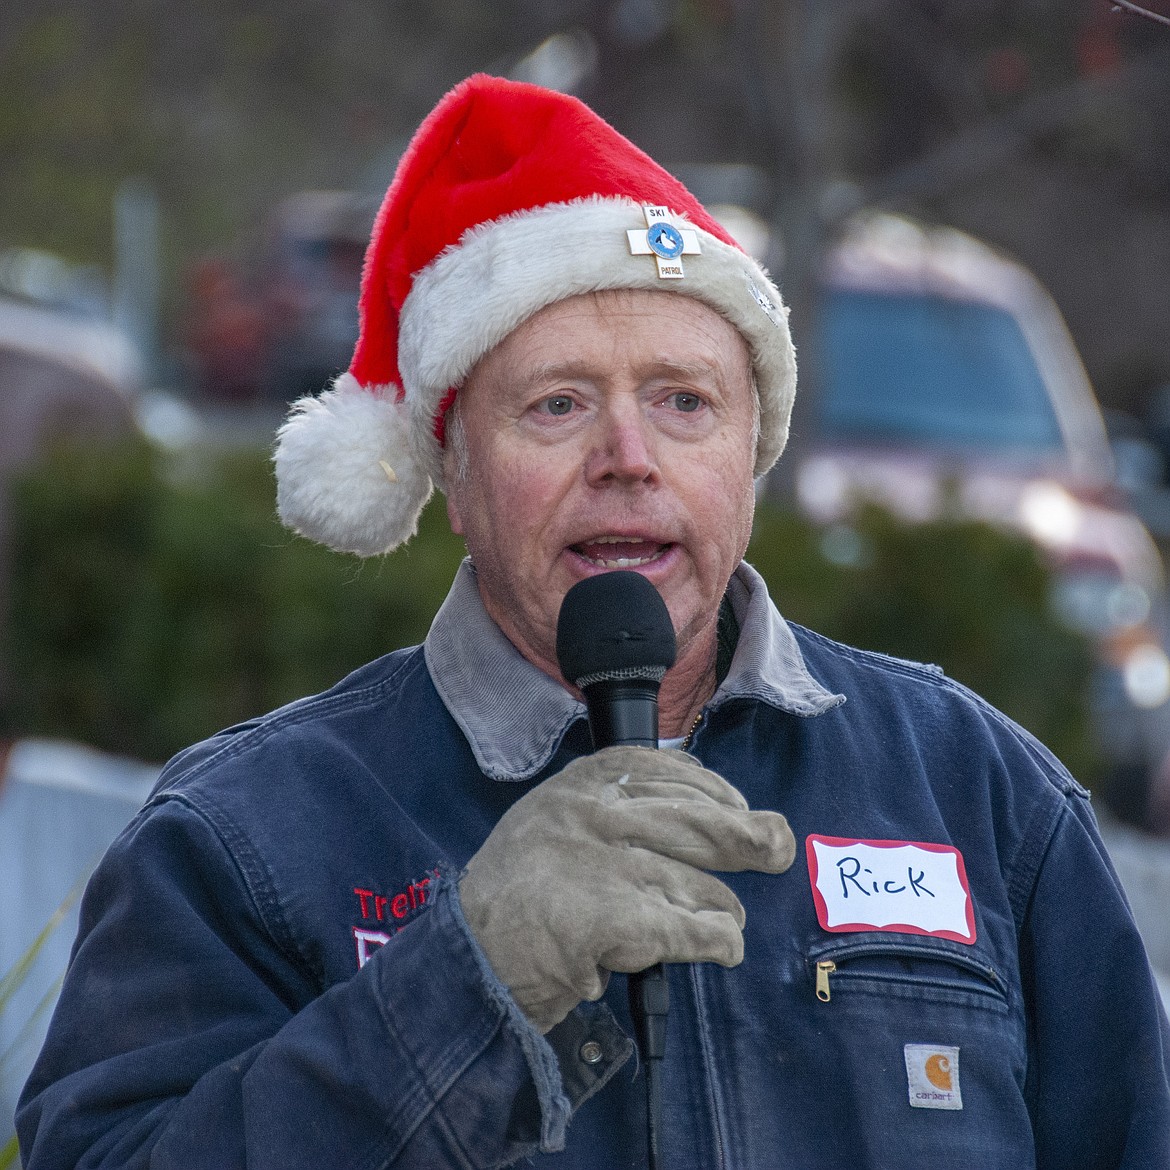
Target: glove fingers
(665,789)
(546,999)
(650,773)
(655,882)
(675,914)
(705,836)
(675,935)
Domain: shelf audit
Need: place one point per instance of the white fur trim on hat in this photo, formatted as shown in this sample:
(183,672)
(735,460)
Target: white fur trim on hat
(473,295)
(347,473)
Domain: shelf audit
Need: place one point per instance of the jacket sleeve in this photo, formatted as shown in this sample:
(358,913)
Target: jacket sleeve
(1099,1091)
(188,1036)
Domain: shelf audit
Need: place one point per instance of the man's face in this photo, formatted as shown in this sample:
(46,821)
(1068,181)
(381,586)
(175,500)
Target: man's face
(613,430)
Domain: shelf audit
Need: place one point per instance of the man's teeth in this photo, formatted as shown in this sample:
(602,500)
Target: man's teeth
(619,562)
(623,562)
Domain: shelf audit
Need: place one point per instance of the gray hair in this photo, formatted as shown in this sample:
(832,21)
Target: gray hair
(456,458)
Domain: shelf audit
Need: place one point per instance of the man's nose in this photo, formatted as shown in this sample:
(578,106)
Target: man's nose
(623,450)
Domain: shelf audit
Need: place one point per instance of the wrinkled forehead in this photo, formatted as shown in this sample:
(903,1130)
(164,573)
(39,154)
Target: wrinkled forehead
(619,331)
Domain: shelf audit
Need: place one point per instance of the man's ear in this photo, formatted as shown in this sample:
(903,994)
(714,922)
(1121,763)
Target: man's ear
(453,490)
(453,516)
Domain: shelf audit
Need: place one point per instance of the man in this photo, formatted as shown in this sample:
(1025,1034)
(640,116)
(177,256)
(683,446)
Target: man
(379,927)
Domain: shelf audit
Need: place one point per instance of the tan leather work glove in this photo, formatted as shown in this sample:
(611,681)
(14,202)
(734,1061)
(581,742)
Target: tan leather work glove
(601,868)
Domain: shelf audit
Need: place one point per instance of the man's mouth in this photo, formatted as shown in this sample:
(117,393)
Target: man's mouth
(619,552)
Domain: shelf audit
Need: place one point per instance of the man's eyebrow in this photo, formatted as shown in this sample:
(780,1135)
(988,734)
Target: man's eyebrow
(555,371)
(682,370)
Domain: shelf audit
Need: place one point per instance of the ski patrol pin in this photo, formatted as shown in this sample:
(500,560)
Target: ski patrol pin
(665,242)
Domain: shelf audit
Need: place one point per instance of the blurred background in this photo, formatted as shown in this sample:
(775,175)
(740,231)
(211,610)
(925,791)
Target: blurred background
(967,206)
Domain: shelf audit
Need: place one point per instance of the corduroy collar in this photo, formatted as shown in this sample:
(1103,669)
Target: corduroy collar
(514,716)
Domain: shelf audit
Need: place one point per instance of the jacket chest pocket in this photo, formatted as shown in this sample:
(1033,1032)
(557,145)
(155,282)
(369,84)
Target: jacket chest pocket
(903,968)
(919,1045)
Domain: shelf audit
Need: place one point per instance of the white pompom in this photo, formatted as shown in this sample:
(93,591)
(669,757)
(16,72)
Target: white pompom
(332,482)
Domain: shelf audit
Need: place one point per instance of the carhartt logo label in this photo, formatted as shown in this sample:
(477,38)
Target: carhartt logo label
(932,1072)
(938,1071)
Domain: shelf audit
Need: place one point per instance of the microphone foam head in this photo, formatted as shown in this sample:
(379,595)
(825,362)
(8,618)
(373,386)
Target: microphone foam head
(614,625)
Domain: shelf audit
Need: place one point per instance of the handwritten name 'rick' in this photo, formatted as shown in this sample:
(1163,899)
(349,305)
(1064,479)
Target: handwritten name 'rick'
(912,887)
(851,867)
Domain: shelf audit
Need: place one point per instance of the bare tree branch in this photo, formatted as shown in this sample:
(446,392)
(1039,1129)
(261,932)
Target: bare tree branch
(987,145)
(1120,4)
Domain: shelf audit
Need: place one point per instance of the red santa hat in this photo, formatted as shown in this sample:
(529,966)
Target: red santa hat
(510,197)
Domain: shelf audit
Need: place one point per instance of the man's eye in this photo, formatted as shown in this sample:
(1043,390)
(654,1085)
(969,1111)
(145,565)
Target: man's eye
(558,404)
(686,402)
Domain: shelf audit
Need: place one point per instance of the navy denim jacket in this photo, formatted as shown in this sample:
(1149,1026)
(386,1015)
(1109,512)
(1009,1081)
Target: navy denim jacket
(273,970)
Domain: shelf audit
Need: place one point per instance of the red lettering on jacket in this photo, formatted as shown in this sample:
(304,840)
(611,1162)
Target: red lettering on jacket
(373,908)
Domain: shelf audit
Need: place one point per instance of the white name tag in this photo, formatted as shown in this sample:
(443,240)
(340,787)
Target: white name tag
(908,887)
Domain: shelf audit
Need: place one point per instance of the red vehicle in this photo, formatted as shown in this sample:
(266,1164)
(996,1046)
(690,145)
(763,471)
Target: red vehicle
(288,328)
(950,380)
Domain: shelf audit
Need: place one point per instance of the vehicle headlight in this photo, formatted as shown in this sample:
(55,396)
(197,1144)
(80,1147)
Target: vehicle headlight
(1049,514)
(1146,674)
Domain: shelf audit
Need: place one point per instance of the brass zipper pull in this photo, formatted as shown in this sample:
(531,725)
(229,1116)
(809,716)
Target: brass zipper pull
(825,968)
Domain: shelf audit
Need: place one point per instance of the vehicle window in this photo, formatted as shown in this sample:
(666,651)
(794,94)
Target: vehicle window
(927,369)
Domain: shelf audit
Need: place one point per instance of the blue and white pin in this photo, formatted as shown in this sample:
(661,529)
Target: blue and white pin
(664,241)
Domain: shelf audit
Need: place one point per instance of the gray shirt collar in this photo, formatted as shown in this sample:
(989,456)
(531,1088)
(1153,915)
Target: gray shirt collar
(514,716)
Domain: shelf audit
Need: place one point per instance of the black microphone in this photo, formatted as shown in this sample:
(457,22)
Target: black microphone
(615,641)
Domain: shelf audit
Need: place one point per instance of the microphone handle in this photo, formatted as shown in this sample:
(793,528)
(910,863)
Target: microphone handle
(625,712)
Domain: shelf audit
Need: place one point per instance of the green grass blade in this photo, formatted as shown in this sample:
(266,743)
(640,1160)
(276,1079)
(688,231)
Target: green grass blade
(26,1029)
(18,972)
(15,976)
(10,1154)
